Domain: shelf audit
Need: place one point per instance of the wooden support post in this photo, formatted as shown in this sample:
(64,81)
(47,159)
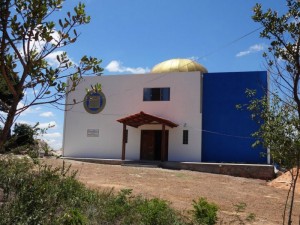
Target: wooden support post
(163,143)
(124,141)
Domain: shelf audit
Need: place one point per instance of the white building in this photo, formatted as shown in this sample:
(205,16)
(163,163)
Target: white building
(154,116)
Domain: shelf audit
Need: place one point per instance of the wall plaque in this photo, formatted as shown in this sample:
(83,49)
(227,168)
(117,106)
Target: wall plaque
(92,133)
(94,102)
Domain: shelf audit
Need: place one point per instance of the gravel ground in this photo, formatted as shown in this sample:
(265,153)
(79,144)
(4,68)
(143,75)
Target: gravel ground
(180,187)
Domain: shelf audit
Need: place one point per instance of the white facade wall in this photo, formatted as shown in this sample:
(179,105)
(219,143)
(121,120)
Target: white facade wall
(124,97)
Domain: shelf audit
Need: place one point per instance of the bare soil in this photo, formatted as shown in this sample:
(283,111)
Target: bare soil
(285,179)
(181,187)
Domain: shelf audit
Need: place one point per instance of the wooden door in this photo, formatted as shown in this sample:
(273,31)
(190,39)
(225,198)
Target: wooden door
(151,145)
(147,145)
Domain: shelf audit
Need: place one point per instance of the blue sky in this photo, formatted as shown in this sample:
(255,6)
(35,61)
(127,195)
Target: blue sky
(131,36)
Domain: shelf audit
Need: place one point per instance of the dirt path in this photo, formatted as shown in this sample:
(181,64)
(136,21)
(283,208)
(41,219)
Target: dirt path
(181,187)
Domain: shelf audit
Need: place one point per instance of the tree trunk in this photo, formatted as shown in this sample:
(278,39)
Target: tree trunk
(8,124)
(294,184)
(287,200)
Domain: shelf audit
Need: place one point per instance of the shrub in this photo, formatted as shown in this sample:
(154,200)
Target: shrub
(124,208)
(40,194)
(23,136)
(242,219)
(13,172)
(157,211)
(204,213)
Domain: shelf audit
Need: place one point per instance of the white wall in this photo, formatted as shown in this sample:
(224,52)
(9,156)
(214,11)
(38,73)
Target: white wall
(124,96)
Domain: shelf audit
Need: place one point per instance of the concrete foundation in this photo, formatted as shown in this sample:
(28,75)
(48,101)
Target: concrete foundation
(256,171)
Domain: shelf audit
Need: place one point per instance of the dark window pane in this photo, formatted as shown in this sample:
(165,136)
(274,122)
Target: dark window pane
(155,94)
(165,94)
(185,137)
(147,94)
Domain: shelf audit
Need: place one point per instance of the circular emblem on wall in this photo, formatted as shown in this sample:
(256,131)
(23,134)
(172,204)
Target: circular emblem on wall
(94,102)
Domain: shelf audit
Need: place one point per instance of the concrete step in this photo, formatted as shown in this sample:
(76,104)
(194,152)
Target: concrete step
(149,164)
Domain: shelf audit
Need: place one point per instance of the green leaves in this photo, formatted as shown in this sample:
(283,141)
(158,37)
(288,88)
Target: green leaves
(32,53)
(90,63)
(282,30)
(280,118)
(278,131)
(43,38)
(204,212)
(94,88)
(81,17)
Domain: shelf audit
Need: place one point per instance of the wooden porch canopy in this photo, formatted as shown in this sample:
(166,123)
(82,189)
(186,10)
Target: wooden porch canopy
(140,119)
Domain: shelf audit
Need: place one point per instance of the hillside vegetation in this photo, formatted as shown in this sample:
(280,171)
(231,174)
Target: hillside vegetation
(35,193)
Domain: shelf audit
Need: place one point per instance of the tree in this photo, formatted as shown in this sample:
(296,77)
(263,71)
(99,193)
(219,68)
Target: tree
(29,36)
(24,134)
(278,132)
(6,97)
(281,121)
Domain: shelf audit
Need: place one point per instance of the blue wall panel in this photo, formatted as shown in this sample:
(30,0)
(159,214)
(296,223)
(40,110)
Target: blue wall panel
(225,129)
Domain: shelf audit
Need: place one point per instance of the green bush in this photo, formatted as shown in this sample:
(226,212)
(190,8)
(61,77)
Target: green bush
(204,213)
(40,194)
(157,211)
(22,138)
(13,172)
(124,208)
(24,134)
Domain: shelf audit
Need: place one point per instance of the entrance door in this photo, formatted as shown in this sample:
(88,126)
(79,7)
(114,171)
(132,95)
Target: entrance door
(151,144)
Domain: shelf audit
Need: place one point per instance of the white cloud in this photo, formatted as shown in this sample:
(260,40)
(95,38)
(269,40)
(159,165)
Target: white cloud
(50,141)
(116,66)
(29,110)
(47,114)
(251,49)
(53,139)
(56,37)
(52,58)
(194,58)
(20,107)
(39,45)
(24,122)
(52,135)
(54,143)
(51,124)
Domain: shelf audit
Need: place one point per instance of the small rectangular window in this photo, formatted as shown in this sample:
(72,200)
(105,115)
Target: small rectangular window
(185,137)
(156,94)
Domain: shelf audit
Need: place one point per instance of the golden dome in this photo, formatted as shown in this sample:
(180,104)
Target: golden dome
(178,65)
